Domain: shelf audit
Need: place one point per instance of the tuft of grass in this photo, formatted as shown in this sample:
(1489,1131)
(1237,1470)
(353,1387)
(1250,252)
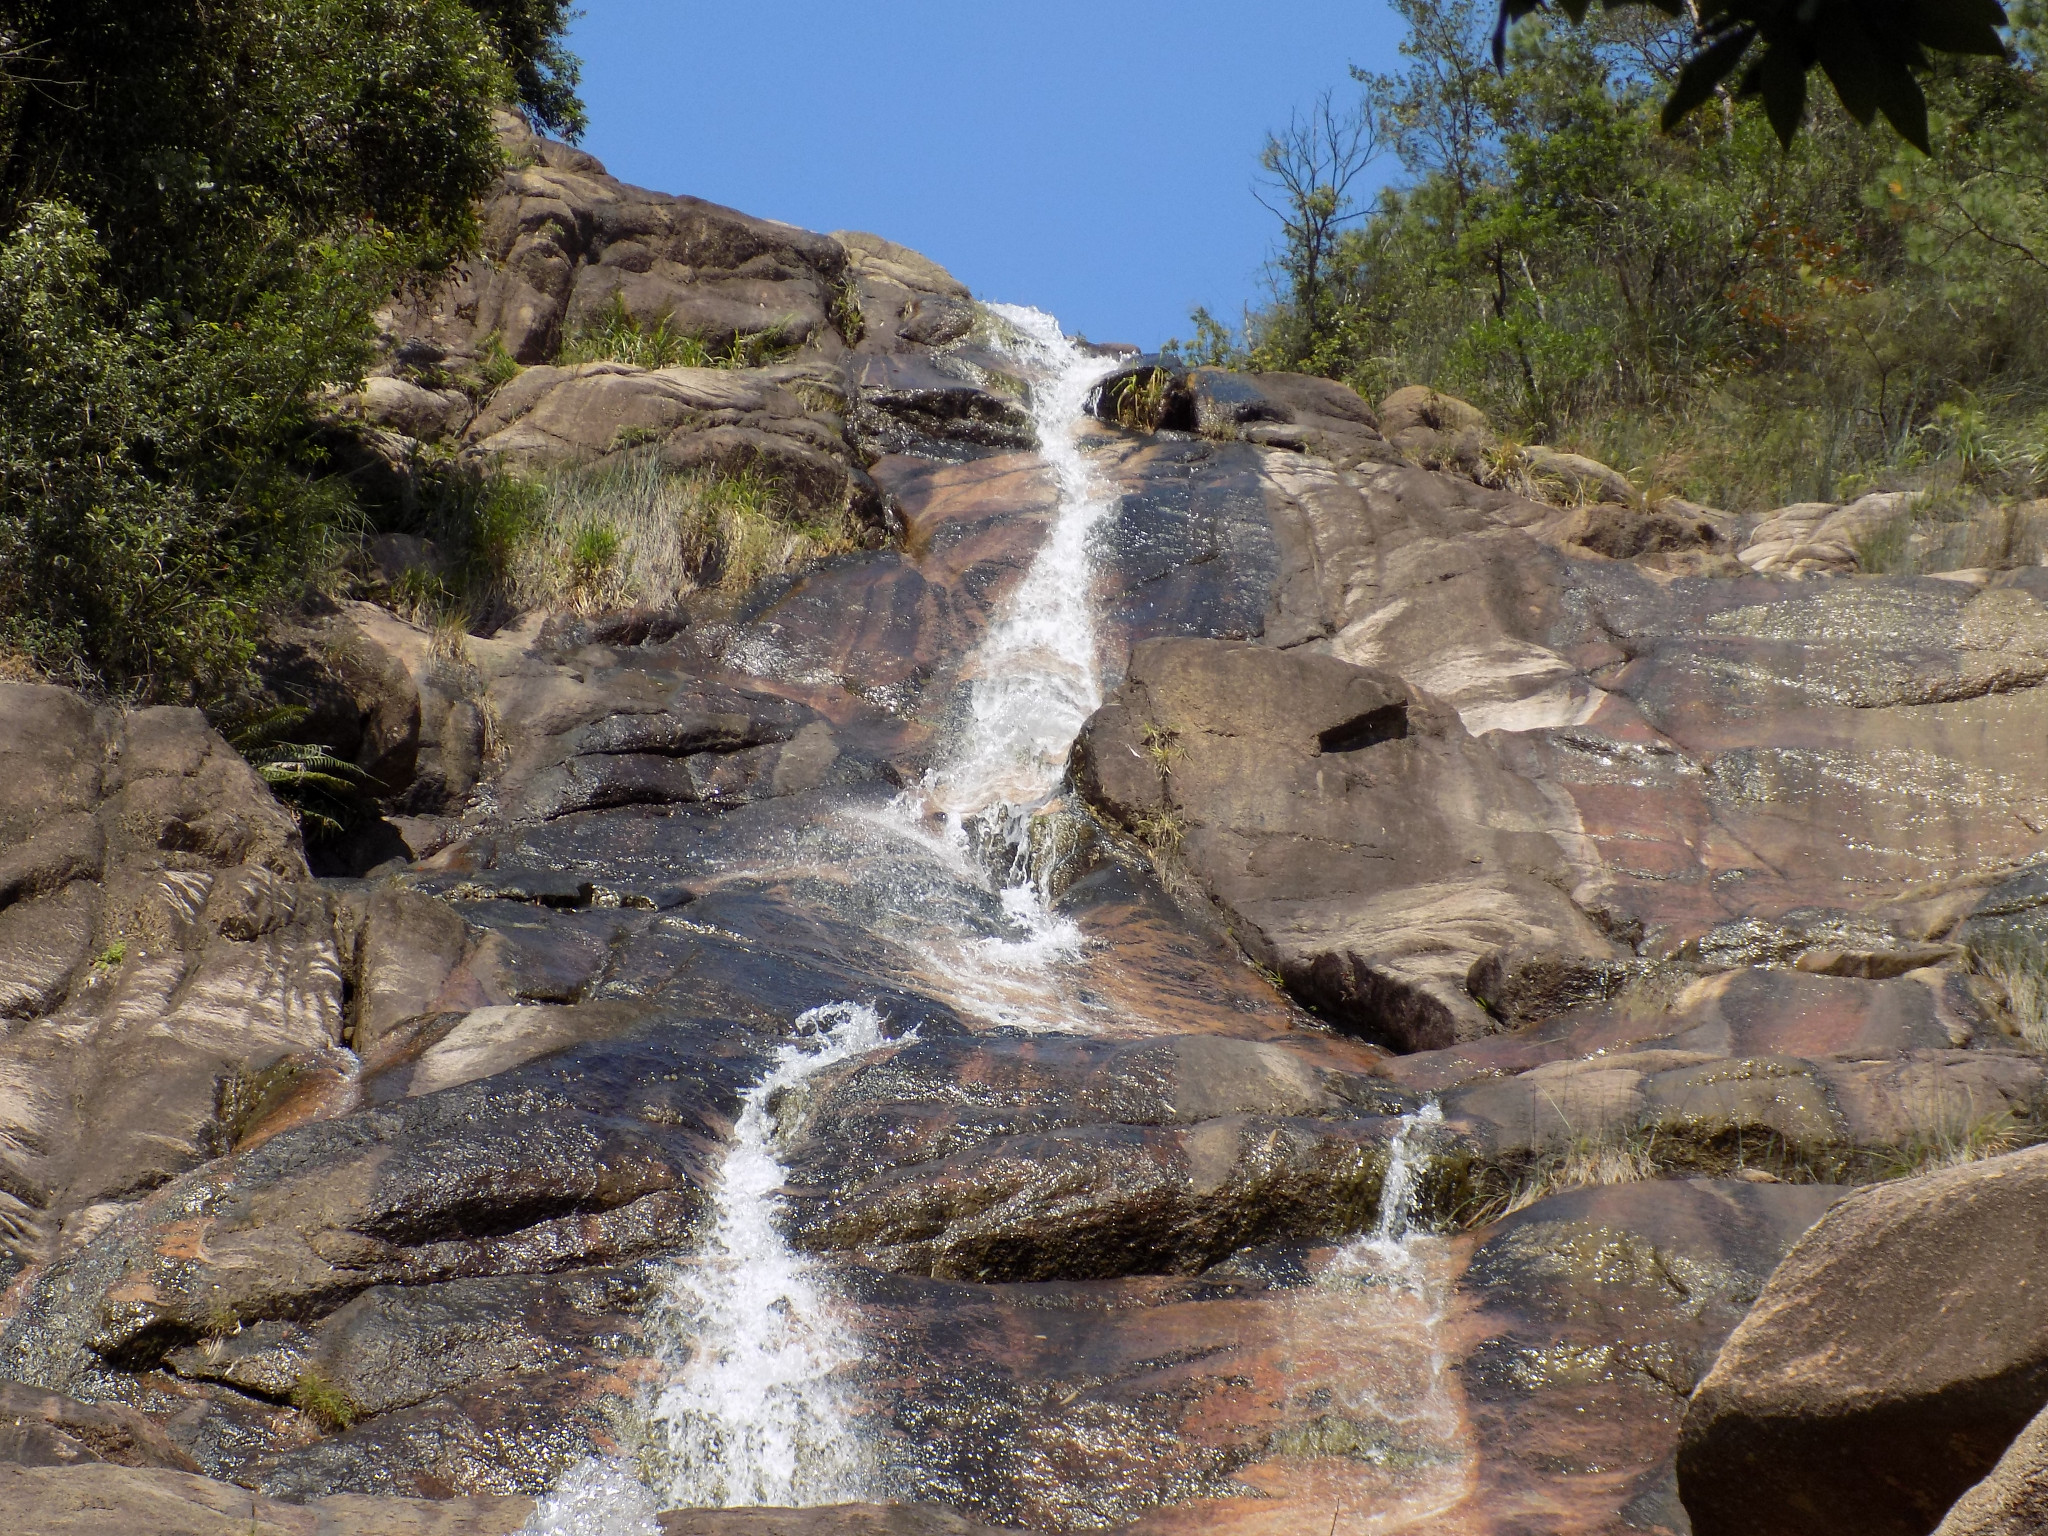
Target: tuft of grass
(497,367)
(1138,400)
(322,1401)
(2021,973)
(1162,832)
(1505,466)
(616,335)
(627,533)
(1958,1140)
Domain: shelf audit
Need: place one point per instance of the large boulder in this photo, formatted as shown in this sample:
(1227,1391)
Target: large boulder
(562,241)
(1357,838)
(2013,1500)
(1288,410)
(1891,1360)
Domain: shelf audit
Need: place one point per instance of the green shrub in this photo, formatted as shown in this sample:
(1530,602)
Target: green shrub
(1748,325)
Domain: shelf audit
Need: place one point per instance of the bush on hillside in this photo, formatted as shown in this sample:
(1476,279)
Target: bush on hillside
(1739,323)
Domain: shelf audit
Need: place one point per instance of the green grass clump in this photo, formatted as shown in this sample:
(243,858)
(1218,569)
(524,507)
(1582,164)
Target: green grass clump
(623,533)
(322,1401)
(616,335)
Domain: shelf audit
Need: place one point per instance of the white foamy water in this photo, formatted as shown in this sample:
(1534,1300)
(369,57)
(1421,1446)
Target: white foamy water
(754,1412)
(1036,675)
(597,1497)
(755,1349)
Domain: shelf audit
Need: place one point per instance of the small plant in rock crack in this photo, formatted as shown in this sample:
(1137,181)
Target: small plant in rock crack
(1505,467)
(497,367)
(322,1401)
(110,957)
(219,1323)
(1163,746)
(1161,831)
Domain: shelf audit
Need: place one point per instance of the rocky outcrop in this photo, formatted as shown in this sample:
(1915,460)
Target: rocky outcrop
(162,949)
(2013,1500)
(1356,837)
(1838,1405)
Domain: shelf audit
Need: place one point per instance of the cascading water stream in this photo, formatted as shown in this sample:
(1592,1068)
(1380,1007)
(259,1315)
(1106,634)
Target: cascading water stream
(754,1351)
(1403,1409)
(1037,675)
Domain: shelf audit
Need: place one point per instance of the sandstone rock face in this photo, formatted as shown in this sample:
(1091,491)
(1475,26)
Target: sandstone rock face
(1357,838)
(1837,1405)
(162,949)
(2013,1500)
(1615,908)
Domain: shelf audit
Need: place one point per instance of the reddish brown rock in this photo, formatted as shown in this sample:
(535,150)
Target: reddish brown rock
(1895,1354)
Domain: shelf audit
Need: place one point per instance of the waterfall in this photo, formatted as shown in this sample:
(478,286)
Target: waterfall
(1398,1399)
(1036,675)
(753,1349)
(1407,1157)
(754,1353)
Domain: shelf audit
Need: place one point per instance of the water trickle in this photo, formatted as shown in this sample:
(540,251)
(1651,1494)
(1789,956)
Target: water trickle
(755,1350)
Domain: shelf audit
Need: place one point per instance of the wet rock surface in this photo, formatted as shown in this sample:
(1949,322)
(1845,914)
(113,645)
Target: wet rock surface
(1484,926)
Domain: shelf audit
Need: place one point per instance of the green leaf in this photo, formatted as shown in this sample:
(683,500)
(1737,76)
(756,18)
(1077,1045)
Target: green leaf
(1703,72)
(1779,79)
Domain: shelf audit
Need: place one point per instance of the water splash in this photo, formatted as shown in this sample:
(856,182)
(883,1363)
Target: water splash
(756,1353)
(597,1497)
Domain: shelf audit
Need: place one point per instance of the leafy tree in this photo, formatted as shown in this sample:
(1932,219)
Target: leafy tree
(202,202)
(1727,317)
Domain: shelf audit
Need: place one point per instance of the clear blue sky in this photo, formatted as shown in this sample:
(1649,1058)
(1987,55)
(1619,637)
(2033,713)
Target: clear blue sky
(1093,159)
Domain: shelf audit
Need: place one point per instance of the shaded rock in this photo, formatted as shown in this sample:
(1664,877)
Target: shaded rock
(1358,839)
(1623,532)
(2013,1500)
(941,407)
(89,1500)
(1895,1354)
(45,1429)
(1105,1201)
